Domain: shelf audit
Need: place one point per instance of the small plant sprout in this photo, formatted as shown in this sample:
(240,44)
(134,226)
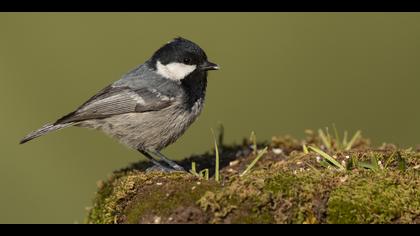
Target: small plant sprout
(253,140)
(355,137)
(345,142)
(336,143)
(216,150)
(204,174)
(261,153)
(325,139)
(194,169)
(367,165)
(305,148)
(328,157)
(337,138)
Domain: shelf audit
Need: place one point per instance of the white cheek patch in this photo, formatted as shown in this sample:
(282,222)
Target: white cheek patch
(174,70)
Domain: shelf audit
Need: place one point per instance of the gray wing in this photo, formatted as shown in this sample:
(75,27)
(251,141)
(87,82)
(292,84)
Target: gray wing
(117,100)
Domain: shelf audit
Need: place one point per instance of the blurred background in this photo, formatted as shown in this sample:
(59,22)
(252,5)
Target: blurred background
(281,73)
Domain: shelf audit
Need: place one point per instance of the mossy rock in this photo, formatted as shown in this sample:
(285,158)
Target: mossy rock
(287,185)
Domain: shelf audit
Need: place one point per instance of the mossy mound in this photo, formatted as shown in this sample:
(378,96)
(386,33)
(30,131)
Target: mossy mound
(287,185)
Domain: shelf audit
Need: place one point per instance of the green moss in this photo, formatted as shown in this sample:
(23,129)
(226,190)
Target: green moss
(300,197)
(380,185)
(129,196)
(349,197)
(376,198)
(265,198)
(252,215)
(163,198)
(110,194)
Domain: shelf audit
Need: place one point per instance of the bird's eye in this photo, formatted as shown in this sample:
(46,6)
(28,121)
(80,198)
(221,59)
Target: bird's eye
(187,60)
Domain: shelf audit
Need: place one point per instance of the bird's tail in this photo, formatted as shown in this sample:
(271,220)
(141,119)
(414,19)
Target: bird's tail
(43,130)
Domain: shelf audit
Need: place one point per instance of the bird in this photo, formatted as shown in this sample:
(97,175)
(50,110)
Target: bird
(149,107)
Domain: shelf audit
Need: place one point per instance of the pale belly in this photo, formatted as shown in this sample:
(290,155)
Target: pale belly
(148,130)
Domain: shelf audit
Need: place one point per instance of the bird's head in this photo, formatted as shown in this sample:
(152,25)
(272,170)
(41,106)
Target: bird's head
(179,58)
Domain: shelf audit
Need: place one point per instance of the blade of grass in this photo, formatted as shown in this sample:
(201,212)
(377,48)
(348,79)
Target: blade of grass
(204,174)
(337,138)
(324,163)
(194,169)
(327,131)
(328,157)
(353,139)
(367,165)
(375,164)
(305,149)
(253,139)
(324,139)
(216,149)
(254,162)
(345,139)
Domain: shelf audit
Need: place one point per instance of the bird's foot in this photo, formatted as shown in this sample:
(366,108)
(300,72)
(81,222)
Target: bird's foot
(160,168)
(172,164)
(176,166)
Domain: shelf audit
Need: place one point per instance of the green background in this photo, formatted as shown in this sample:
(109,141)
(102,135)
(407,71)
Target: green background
(281,74)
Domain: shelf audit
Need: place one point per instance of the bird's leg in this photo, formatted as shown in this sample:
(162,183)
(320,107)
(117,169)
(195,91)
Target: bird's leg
(157,165)
(169,162)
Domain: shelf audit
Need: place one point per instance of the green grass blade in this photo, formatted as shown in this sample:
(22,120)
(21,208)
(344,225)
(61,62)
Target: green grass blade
(305,148)
(337,138)
(253,139)
(353,140)
(374,160)
(216,149)
(254,162)
(324,139)
(204,174)
(324,163)
(327,131)
(328,157)
(345,139)
(367,165)
(194,169)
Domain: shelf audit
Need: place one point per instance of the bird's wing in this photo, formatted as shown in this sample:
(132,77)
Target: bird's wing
(117,100)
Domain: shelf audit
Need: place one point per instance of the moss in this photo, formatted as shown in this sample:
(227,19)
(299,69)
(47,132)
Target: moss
(110,195)
(160,200)
(380,185)
(241,201)
(133,197)
(376,198)
(294,194)
(100,213)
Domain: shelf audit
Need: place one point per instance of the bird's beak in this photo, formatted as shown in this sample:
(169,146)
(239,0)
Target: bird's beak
(209,66)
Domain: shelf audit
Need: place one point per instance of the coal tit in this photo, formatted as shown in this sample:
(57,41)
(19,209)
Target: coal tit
(151,106)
